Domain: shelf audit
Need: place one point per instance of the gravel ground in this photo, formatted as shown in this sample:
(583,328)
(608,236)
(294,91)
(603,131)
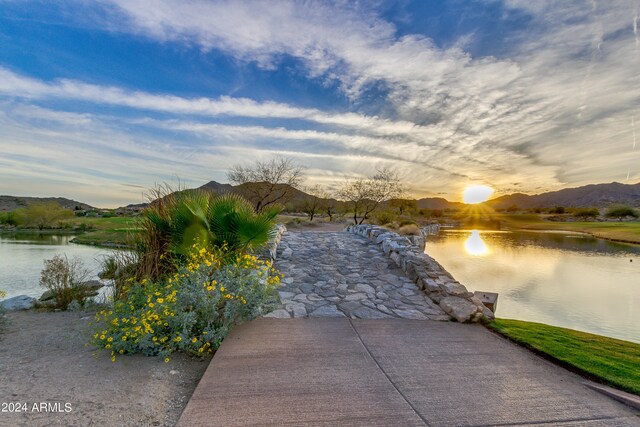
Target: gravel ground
(45,359)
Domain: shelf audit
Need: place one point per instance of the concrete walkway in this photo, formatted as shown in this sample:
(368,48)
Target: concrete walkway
(388,372)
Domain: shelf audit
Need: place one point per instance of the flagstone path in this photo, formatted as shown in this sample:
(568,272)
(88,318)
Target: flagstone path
(339,274)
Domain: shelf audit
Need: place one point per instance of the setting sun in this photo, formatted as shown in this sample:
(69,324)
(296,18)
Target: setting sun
(476,194)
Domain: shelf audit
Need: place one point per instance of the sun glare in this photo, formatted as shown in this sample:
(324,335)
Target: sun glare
(474,245)
(476,194)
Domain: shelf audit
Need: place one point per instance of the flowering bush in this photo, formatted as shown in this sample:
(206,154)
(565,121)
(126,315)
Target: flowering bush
(190,311)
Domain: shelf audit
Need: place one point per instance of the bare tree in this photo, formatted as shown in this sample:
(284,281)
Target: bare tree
(329,204)
(313,204)
(267,183)
(366,193)
(331,208)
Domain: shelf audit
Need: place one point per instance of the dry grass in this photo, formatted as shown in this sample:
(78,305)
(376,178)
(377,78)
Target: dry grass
(410,230)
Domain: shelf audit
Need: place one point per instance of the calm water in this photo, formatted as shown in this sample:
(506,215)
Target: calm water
(22,257)
(561,279)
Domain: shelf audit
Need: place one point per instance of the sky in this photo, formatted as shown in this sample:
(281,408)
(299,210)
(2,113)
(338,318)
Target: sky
(102,100)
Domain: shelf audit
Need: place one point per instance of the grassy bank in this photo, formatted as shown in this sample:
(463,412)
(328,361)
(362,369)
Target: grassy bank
(104,231)
(608,360)
(619,231)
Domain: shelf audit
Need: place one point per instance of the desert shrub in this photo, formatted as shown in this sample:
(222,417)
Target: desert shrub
(410,230)
(84,227)
(191,310)
(9,218)
(558,210)
(64,277)
(586,212)
(44,215)
(406,222)
(621,211)
(384,217)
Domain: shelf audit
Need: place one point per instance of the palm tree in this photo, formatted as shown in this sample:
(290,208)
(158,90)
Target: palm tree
(233,221)
(174,223)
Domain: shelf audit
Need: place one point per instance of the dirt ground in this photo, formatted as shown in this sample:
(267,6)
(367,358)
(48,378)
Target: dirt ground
(44,359)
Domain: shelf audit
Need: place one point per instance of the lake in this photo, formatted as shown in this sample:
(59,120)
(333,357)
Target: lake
(22,256)
(562,279)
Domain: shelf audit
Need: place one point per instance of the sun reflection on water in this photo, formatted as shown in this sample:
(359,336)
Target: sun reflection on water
(474,245)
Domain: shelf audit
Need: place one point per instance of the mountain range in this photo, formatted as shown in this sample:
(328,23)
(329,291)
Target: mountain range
(9,203)
(598,195)
(593,195)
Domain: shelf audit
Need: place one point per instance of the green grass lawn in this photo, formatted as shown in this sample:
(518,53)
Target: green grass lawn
(628,231)
(105,231)
(608,360)
(621,231)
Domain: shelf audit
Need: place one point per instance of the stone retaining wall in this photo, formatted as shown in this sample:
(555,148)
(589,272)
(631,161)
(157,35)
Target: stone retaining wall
(270,252)
(408,253)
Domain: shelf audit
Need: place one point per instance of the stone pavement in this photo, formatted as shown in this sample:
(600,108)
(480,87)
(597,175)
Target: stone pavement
(388,372)
(339,274)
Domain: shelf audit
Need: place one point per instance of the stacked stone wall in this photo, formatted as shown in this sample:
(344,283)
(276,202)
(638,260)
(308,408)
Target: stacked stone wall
(270,253)
(408,253)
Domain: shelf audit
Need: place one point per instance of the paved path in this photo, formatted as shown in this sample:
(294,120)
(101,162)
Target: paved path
(388,372)
(339,274)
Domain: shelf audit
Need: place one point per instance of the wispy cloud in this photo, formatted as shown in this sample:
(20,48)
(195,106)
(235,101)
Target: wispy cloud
(576,65)
(555,108)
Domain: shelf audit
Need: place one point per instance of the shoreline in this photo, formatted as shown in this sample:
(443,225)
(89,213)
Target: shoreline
(597,236)
(555,230)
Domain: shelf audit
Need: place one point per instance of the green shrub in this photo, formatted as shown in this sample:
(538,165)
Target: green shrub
(384,217)
(43,215)
(407,222)
(621,211)
(65,278)
(190,311)
(558,210)
(586,213)
(84,227)
(11,218)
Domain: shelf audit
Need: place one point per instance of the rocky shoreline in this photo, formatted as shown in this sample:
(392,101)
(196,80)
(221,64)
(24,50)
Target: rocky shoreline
(436,282)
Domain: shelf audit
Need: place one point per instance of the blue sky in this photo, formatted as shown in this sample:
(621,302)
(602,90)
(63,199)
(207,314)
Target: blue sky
(99,101)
